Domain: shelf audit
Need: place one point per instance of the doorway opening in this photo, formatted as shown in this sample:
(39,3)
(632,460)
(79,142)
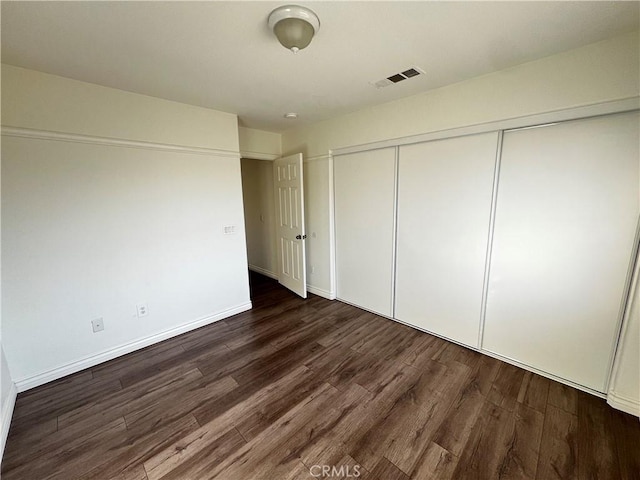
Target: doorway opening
(273,199)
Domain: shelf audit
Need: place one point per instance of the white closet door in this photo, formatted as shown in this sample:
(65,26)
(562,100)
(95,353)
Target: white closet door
(565,223)
(364,220)
(444,205)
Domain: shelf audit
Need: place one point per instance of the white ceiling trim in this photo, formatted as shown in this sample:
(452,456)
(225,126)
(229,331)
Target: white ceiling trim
(259,156)
(95,140)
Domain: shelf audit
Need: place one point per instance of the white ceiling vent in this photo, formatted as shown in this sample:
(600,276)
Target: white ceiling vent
(398,77)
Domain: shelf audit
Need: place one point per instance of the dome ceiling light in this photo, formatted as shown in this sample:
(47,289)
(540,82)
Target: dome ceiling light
(294,26)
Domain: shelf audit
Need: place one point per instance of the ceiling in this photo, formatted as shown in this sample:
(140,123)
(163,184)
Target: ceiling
(221,55)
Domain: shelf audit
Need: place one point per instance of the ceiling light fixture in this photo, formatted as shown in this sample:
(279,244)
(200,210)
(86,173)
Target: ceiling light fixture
(291,115)
(294,26)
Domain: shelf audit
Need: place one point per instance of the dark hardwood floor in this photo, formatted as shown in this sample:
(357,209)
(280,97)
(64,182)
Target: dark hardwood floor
(294,385)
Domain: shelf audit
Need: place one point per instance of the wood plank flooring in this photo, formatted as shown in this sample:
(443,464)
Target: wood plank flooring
(295,385)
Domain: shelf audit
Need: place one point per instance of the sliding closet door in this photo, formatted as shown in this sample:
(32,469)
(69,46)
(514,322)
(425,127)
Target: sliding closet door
(444,205)
(364,220)
(565,223)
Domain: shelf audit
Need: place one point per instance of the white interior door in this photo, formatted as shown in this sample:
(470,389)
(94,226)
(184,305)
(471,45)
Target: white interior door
(444,207)
(290,230)
(565,223)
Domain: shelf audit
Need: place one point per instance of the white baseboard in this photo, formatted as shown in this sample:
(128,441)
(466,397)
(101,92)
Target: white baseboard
(7,414)
(87,362)
(263,271)
(626,404)
(321,293)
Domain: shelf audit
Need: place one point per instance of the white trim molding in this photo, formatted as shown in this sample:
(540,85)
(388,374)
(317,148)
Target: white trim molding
(620,402)
(616,400)
(9,131)
(321,292)
(273,156)
(316,158)
(7,414)
(263,271)
(259,156)
(93,360)
(332,230)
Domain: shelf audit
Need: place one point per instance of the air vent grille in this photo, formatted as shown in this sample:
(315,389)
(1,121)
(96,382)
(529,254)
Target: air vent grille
(412,72)
(398,77)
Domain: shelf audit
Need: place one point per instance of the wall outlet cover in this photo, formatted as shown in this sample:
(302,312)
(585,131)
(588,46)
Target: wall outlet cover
(97,325)
(142,310)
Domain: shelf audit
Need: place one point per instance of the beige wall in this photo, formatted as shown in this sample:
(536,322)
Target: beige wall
(41,101)
(259,215)
(596,73)
(91,228)
(259,144)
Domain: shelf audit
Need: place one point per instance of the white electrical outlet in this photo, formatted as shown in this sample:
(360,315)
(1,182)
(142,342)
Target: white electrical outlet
(97,325)
(313,270)
(142,310)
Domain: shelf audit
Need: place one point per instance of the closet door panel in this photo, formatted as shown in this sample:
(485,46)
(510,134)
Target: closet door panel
(444,207)
(364,219)
(566,217)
